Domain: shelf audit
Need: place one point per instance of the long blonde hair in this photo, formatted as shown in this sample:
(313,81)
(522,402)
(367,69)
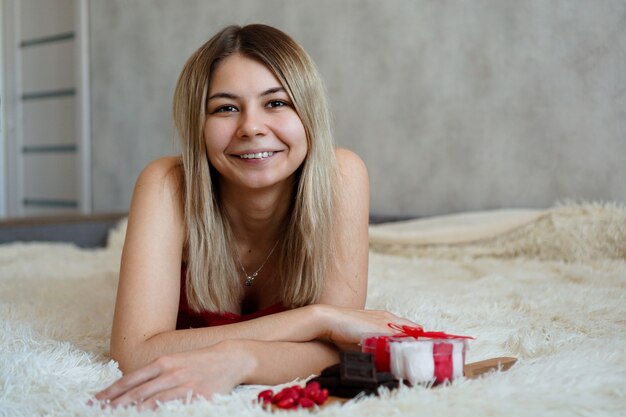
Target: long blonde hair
(213,281)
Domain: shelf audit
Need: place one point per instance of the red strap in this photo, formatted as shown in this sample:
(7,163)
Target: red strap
(418,331)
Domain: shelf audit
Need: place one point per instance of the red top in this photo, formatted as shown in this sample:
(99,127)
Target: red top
(187,318)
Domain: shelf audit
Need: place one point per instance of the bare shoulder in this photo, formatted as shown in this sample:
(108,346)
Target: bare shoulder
(353,186)
(352,169)
(349,162)
(166,171)
(158,197)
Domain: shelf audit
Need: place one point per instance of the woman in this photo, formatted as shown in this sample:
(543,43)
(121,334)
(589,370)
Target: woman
(267,219)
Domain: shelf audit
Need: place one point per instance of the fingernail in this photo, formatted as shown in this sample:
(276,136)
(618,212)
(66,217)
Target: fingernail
(104,403)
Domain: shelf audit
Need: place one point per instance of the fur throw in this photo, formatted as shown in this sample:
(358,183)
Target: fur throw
(547,288)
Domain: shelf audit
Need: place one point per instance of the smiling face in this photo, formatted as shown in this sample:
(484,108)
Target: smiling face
(254,137)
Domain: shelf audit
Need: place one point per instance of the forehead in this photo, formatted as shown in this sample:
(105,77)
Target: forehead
(240,74)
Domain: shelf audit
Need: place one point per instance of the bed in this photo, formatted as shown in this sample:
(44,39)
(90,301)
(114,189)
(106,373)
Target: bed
(544,286)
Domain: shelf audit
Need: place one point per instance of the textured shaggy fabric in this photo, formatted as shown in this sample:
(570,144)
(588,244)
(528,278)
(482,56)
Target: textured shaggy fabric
(570,233)
(549,292)
(451,228)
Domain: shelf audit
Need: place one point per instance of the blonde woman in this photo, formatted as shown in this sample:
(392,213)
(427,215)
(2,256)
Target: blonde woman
(245,258)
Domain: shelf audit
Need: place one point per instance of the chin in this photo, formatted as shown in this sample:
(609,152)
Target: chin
(267,182)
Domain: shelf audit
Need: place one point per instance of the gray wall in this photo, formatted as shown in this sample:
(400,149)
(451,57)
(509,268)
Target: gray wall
(454,105)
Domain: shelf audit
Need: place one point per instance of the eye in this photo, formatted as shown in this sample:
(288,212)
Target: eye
(228,108)
(276,103)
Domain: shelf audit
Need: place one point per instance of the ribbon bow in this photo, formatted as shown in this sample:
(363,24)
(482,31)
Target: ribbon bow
(418,331)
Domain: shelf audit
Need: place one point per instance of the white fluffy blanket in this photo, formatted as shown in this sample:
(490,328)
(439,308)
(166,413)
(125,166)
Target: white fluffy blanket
(548,290)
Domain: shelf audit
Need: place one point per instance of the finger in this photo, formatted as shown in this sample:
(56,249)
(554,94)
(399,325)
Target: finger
(407,322)
(393,323)
(401,323)
(128,382)
(178,393)
(146,390)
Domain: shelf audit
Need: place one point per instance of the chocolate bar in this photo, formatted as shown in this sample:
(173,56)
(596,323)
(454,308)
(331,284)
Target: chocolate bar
(357,369)
(355,374)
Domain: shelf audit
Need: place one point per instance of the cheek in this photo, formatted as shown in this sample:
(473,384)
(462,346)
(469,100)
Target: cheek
(294,130)
(303,143)
(214,138)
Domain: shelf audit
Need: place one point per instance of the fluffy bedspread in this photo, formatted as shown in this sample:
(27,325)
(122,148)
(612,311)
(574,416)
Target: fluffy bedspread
(547,287)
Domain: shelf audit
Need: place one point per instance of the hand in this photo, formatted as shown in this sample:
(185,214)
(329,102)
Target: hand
(346,326)
(204,372)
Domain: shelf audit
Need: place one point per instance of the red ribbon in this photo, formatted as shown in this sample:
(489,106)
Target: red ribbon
(417,332)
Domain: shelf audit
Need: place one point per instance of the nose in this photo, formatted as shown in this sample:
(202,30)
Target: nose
(251,124)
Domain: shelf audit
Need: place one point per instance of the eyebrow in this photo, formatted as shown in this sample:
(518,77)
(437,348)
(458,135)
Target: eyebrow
(232,96)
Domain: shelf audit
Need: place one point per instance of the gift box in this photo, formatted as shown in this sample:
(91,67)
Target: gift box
(418,356)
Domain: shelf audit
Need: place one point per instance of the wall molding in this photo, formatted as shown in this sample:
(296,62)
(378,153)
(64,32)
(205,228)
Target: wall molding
(83,136)
(36,95)
(48,148)
(49,202)
(59,37)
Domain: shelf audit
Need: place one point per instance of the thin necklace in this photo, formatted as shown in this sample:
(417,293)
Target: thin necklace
(251,277)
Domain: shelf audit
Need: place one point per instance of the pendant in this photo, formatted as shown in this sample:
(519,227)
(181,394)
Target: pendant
(250,278)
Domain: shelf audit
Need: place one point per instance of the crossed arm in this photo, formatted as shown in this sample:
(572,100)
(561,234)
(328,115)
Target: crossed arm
(161,363)
(221,367)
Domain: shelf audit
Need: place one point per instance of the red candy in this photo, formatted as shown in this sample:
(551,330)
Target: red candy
(379,347)
(305,402)
(288,402)
(311,390)
(320,396)
(442,355)
(265,396)
(295,396)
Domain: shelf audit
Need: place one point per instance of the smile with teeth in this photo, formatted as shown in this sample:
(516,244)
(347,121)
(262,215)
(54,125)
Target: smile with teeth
(259,155)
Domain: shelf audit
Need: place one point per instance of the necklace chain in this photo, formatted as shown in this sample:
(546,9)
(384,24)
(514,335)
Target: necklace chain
(252,276)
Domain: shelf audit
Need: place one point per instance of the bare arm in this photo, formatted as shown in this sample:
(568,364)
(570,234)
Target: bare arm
(148,300)
(216,370)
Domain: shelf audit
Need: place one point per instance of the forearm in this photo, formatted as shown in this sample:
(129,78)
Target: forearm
(274,363)
(217,370)
(326,323)
(297,325)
